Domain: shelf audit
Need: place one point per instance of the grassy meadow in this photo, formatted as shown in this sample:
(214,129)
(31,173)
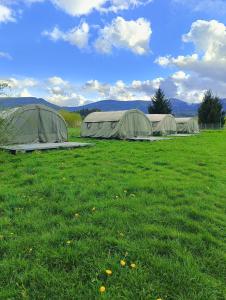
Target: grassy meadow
(68,216)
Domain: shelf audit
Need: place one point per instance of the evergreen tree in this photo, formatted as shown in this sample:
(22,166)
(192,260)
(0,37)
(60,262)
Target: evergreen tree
(211,110)
(160,105)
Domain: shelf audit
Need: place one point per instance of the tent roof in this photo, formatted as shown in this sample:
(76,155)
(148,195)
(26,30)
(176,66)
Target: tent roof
(4,114)
(158,117)
(111,116)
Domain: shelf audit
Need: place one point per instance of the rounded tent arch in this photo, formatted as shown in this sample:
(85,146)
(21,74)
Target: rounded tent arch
(187,125)
(163,124)
(33,124)
(116,124)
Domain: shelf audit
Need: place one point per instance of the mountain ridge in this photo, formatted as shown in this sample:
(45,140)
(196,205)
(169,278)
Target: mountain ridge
(180,107)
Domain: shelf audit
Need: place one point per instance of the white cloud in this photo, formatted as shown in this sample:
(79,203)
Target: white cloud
(79,7)
(84,7)
(209,60)
(77,36)
(21,83)
(6,14)
(25,93)
(133,35)
(5,55)
(55,80)
(73,99)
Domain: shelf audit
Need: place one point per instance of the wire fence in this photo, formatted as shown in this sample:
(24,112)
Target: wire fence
(211,126)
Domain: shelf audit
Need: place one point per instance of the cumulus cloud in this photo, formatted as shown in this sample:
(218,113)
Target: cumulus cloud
(77,36)
(133,35)
(56,80)
(209,60)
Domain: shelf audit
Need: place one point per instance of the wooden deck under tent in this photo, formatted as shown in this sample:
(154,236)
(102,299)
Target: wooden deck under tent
(43,146)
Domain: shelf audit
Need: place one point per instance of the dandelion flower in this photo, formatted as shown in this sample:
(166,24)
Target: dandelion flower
(68,242)
(122,263)
(102,289)
(159,299)
(108,272)
(76,215)
(133,266)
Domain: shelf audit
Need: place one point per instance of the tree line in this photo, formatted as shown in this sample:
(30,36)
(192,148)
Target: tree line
(210,110)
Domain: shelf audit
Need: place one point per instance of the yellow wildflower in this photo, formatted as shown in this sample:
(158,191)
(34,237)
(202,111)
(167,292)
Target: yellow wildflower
(94,209)
(102,289)
(69,242)
(109,272)
(133,266)
(76,215)
(122,263)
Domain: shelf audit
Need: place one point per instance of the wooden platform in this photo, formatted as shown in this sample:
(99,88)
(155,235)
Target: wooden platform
(183,134)
(150,139)
(43,146)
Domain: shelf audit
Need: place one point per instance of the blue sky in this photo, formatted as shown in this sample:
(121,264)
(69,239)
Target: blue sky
(75,51)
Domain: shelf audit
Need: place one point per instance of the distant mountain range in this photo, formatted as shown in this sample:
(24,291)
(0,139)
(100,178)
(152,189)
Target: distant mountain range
(180,108)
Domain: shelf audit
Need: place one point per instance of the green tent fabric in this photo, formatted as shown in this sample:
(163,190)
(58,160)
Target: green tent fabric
(163,124)
(116,124)
(187,125)
(32,124)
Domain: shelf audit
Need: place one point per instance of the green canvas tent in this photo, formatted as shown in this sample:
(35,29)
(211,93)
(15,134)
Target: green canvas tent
(116,124)
(32,124)
(187,125)
(163,124)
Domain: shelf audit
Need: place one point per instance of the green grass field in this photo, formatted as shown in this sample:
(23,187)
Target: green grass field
(67,216)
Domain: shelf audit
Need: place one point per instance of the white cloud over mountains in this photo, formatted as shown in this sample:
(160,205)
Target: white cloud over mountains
(63,92)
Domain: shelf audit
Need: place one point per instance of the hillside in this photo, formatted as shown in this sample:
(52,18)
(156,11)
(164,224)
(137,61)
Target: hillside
(6,102)
(180,108)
